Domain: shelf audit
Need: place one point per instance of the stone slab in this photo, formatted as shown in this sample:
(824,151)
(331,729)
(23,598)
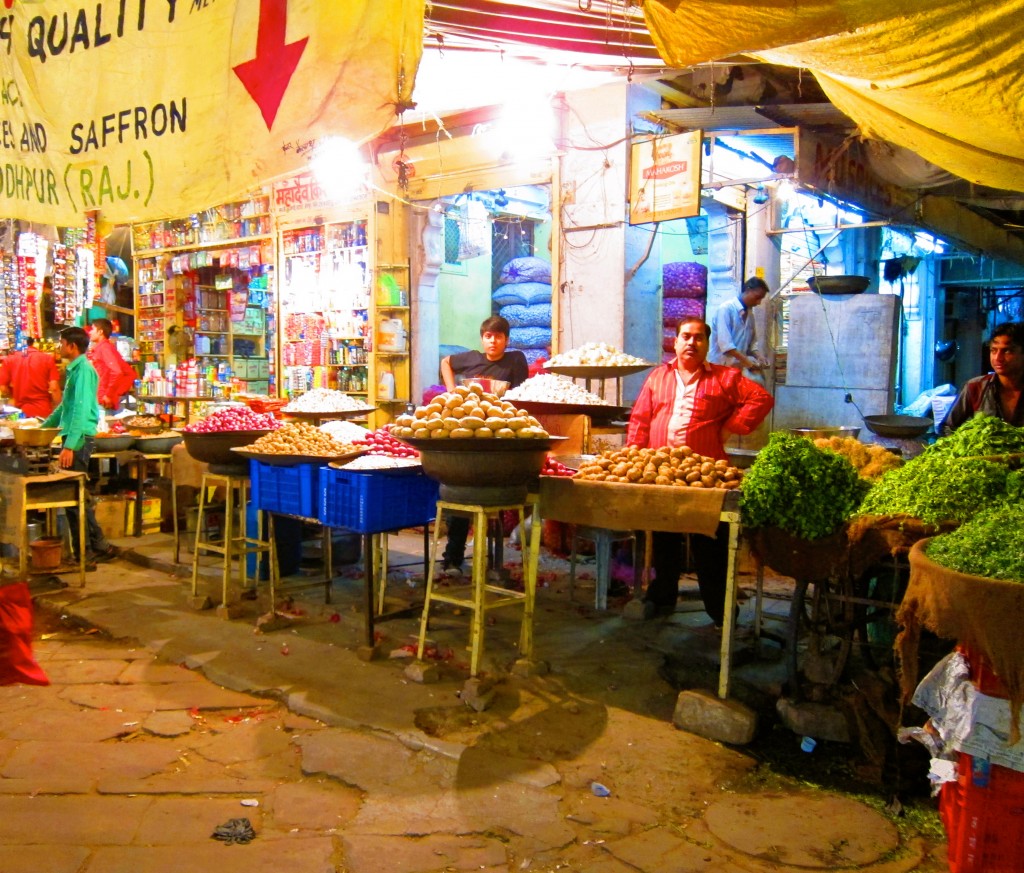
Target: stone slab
(237,743)
(168,723)
(34,859)
(704,713)
(173,821)
(47,761)
(70,722)
(71,821)
(145,698)
(307,805)
(363,854)
(85,672)
(309,855)
(154,672)
(818,831)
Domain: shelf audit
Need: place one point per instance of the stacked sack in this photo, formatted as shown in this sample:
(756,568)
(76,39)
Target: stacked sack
(684,295)
(523,296)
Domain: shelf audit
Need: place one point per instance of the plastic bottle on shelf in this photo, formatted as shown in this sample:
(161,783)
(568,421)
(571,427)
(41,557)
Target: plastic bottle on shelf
(386,386)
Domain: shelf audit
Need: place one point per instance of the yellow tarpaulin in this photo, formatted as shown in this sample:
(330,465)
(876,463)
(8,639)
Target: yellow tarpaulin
(942,78)
(150,109)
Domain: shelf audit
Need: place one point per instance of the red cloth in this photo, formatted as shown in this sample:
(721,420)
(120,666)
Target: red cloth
(17,663)
(116,375)
(724,399)
(28,374)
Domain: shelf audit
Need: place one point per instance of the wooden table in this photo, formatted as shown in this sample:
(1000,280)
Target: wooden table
(657,508)
(20,495)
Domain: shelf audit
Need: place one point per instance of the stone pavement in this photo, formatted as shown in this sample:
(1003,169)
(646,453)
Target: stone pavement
(178,721)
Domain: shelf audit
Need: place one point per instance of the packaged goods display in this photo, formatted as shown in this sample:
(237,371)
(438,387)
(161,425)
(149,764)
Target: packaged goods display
(665,466)
(547,388)
(469,412)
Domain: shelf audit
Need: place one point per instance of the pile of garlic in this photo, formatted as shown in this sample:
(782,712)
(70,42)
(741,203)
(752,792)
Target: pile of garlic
(324,400)
(545,388)
(594,355)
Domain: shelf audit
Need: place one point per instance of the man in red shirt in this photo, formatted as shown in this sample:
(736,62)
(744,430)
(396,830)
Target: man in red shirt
(116,375)
(694,403)
(30,378)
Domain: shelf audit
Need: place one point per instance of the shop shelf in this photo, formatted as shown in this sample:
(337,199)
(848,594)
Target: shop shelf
(290,490)
(372,502)
(983,812)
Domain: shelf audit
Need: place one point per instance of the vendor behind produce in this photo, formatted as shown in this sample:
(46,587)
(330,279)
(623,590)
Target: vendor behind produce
(492,363)
(692,402)
(734,340)
(996,393)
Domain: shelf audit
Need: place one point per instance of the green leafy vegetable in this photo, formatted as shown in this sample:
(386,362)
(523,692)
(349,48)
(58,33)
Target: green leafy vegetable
(991,544)
(798,487)
(980,436)
(934,488)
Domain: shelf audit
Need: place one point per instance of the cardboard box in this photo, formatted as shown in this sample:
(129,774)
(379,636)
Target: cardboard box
(150,516)
(110,511)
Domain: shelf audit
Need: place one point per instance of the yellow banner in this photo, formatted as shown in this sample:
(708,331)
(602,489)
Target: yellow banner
(148,109)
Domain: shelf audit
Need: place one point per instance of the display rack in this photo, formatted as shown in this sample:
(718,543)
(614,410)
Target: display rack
(206,301)
(345,306)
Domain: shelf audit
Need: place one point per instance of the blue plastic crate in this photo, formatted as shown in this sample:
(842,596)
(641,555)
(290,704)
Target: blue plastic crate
(372,502)
(291,490)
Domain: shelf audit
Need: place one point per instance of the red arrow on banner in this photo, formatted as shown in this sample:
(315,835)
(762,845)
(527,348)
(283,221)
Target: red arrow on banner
(267,75)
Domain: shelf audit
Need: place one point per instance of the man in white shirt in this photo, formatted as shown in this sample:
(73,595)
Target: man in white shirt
(734,340)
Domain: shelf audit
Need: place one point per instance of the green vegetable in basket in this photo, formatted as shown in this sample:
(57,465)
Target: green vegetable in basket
(983,435)
(934,489)
(991,544)
(800,488)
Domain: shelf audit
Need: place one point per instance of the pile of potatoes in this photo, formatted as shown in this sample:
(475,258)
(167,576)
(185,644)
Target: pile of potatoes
(301,438)
(468,412)
(665,466)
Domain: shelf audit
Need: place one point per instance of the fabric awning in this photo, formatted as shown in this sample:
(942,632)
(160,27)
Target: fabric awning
(943,79)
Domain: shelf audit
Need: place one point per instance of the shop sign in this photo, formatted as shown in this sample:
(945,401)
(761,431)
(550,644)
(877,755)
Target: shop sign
(841,170)
(664,178)
(151,110)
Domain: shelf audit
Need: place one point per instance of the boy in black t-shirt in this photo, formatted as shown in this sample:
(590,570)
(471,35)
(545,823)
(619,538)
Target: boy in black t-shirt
(492,363)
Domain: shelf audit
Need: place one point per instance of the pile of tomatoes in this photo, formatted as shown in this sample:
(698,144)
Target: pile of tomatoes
(553,467)
(383,444)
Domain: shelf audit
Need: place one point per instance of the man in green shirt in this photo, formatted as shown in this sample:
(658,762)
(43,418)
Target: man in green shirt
(77,416)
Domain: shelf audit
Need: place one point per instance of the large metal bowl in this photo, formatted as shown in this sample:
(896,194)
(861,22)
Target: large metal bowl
(487,472)
(215,448)
(35,436)
(816,433)
(117,442)
(160,444)
(897,425)
(839,284)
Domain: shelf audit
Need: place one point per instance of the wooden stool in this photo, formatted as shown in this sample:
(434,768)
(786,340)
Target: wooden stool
(476,600)
(236,497)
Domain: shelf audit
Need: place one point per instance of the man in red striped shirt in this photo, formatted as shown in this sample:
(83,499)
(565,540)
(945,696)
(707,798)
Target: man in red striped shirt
(694,403)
